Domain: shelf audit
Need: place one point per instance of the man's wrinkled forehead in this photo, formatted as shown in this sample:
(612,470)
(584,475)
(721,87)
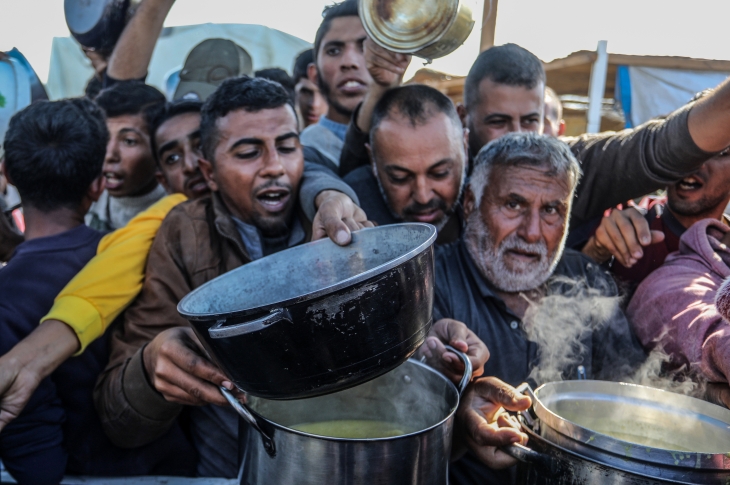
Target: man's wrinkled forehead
(530,181)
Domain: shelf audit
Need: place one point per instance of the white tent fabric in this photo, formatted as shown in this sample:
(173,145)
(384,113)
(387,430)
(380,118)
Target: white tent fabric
(656,92)
(70,70)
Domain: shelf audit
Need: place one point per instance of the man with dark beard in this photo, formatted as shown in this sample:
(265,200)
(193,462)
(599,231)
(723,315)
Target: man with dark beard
(418,150)
(339,71)
(547,313)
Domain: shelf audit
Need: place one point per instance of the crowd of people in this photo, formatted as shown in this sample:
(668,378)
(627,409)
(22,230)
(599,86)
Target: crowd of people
(131,201)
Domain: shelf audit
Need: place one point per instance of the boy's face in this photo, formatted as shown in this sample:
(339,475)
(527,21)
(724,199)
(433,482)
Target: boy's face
(129,167)
(178,152)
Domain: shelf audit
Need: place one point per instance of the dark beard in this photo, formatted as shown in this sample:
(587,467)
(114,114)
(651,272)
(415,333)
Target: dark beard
(326,91)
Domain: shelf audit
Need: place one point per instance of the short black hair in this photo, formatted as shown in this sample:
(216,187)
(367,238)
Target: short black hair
(250,94)
(169,111)
(416,102)
(54,151)
(348,8)
(131,98)
(507,64)
(280,76)
(301,65)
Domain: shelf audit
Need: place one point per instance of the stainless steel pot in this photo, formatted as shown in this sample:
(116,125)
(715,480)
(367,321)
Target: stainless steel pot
(319,318)
(585,432)
(412,395)
(426,28)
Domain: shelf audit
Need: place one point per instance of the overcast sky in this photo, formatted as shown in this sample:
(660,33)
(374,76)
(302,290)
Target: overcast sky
(550,29)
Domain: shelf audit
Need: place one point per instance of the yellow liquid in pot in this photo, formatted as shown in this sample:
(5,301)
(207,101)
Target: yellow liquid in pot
(353,429)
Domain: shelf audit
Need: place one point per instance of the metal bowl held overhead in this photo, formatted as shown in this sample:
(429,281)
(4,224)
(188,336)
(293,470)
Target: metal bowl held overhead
(426,28)
(98,24)
(609,432)
(319,318)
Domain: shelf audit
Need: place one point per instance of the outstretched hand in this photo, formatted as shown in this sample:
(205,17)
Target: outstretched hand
(457,334)
(176,364)
(622,234)
(484,424)
(337,216)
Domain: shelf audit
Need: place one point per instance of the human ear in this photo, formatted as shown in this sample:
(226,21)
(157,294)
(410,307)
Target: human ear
(463,114)
(162,180)
(96,188)
(206,168)
(373,167)
(312,74)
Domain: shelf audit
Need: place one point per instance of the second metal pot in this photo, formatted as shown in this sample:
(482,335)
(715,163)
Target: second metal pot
(413,395)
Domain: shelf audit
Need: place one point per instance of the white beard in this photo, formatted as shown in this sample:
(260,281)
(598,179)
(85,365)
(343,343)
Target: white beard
(490,260)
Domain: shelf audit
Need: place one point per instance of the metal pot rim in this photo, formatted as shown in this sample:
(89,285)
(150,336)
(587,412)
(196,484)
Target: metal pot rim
(369,440)
(585,438)
(353,280)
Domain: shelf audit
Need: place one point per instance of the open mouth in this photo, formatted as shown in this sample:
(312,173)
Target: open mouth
(523,255)
(690,183)
(112,181)
(352,87)
(197,185)
(427,216)
(273,200)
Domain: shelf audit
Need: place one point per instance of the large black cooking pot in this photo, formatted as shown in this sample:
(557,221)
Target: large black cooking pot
(319,318)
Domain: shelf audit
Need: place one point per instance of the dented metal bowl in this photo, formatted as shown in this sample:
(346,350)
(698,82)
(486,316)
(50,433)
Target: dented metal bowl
(319,318)
(426,28)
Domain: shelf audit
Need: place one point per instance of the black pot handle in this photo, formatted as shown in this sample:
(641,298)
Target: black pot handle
(468,369)
(243,411)
(545,463)
(221,330)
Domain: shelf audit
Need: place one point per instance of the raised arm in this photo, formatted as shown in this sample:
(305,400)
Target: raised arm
(133,51)
(387,70)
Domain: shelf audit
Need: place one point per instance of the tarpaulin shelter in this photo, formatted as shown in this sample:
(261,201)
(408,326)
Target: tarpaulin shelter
(70,70)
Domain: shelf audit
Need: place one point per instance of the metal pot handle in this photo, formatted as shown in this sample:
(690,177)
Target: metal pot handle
(243,411)
(468,369)
(218,330)
(545,463)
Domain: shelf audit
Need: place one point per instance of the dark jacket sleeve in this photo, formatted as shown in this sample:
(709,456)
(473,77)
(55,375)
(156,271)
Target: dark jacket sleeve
(632,163)
(354,153)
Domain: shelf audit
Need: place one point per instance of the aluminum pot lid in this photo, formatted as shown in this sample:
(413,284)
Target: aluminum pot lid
(308,271)
(637,422)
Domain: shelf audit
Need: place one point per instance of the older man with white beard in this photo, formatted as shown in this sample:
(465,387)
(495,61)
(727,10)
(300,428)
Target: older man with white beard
(545,312)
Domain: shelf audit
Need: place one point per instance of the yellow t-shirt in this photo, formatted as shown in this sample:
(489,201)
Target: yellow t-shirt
(112,279)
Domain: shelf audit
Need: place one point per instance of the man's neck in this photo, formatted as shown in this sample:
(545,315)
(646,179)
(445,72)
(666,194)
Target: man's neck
(518,302)
(337,116)
(44,224)
(687,221)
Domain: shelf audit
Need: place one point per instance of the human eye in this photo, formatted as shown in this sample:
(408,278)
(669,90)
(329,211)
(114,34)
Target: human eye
(130,141)
(172,159)
(247,154)
(332,51)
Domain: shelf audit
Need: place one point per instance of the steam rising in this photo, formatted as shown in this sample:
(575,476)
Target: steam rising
(562,324)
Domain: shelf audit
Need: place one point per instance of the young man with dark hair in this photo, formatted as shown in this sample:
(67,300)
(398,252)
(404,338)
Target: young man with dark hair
(278,75)
(129,166)
(339,71)
(418,151)
(309,101)
(253,164)
(554,124)
(54,155)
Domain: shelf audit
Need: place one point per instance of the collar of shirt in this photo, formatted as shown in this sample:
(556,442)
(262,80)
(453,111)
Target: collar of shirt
(339,129)
(254,242)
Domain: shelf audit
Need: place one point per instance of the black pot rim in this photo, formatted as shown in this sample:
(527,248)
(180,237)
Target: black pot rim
(349,282)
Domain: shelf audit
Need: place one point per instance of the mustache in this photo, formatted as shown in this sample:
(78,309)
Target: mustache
(433,204)
(514,242)
(272,184)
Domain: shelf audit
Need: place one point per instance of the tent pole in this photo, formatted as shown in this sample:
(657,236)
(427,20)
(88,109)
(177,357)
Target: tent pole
(489,24)
(597,88)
